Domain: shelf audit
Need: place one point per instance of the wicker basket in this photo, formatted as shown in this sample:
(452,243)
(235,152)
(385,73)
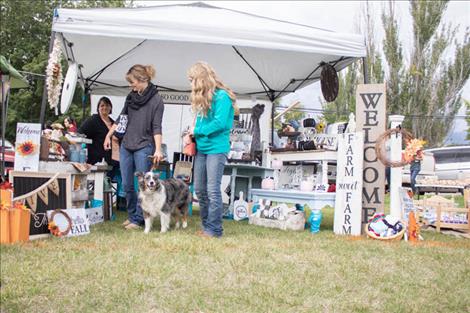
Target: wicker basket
(396,237)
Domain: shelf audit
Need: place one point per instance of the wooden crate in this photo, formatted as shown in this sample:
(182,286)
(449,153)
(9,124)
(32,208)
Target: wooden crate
(445,206)
(443,209)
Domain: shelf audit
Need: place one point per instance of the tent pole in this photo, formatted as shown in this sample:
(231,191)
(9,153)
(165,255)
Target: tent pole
(272,98)
(5,92)
(86,92)
(44,89)
(364,69)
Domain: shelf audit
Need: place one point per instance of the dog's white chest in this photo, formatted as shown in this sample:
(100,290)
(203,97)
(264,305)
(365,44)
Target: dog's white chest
(153,202)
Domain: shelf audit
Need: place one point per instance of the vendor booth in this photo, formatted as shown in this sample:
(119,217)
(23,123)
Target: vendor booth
(259,58)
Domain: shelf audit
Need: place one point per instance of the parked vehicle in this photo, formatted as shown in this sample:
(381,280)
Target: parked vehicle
(452,162)
(9,155)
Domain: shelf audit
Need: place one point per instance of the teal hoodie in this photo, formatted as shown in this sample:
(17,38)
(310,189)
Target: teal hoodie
(212,132)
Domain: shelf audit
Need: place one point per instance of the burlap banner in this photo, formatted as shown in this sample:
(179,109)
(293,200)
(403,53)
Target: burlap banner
(32,196)
(43,194)
(33,202)
(54,187)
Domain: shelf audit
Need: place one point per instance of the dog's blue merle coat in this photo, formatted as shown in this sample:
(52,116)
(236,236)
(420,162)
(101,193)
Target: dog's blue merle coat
(177,192)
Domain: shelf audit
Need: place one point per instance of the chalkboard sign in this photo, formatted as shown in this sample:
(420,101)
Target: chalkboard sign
(27,182)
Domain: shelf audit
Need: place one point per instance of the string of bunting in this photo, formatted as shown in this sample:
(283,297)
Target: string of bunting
(31,197)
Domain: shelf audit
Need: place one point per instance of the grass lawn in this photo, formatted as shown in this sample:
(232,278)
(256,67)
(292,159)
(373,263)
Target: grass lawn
(251,269)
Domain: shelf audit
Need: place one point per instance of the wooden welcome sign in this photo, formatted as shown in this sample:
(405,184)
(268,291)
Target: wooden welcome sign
(371,120)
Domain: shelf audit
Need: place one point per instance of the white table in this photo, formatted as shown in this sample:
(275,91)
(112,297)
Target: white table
(322,156)
(314,200)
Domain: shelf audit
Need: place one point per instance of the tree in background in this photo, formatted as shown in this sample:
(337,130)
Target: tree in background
(345,103)
(427,90)
(467,103)
(24,40)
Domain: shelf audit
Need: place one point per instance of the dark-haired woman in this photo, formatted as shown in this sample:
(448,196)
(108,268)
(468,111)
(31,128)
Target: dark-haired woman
(96,127)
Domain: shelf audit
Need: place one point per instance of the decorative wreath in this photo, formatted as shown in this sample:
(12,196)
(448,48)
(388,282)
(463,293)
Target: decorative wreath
(380,146)
(53,226)
(54,76)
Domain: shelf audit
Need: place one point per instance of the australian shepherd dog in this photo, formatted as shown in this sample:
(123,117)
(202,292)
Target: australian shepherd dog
(166,198)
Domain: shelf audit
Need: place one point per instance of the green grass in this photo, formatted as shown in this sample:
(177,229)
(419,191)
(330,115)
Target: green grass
(251,269)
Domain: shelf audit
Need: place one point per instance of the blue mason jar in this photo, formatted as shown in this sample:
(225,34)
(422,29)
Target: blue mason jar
(315,221)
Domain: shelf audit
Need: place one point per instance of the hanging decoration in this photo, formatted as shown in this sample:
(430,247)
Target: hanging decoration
(43,194)
(32,202)
(32,196)
(329,82)
(54,76)
(54,187)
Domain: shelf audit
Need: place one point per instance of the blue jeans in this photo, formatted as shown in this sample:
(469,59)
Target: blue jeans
(131,162)
(208,172)
(415,168)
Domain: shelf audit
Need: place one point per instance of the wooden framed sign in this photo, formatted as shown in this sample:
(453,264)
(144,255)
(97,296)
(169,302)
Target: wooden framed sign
(348,205)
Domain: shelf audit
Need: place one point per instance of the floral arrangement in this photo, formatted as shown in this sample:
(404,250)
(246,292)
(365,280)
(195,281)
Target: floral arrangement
(20,206)
(54,229)
(26,148)
(54,76)
(413,148)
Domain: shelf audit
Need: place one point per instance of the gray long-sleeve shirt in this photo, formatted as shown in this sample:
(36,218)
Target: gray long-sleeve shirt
(143,123)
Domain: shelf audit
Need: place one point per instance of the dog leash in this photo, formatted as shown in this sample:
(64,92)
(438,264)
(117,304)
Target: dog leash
(155,162)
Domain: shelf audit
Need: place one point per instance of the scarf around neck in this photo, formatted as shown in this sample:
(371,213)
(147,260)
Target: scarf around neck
(136,101)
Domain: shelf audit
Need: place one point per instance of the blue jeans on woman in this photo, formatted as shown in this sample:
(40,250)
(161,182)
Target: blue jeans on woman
(415,168)
(131,162)
(208,172)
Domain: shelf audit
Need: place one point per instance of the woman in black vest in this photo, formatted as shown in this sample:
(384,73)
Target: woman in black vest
(143,138)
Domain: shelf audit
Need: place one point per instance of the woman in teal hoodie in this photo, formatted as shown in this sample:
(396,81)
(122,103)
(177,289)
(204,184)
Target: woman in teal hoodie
(214,106)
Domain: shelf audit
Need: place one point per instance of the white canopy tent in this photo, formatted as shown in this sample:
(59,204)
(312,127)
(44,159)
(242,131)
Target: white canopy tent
(256,56)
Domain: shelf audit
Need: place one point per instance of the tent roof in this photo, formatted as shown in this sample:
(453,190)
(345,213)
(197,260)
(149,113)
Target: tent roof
(251,54)
(16,79)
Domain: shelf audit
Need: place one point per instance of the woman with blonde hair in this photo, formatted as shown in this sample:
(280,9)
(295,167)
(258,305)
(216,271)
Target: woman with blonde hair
(143,137)
(214,105)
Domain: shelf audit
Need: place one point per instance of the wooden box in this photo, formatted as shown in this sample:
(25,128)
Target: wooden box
(295,221)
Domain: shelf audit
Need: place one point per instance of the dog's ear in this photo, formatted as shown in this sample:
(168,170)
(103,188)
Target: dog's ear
(140,180)
(140,176)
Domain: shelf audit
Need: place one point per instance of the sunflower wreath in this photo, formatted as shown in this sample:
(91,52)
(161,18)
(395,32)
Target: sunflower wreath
(53,226)
(380,146)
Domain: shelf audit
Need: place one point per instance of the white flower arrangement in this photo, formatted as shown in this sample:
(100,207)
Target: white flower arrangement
(54,76)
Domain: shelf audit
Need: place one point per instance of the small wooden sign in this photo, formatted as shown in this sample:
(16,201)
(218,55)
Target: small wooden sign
(407,205)
(95,215)
(28,141)
(80,224)
(327,142)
